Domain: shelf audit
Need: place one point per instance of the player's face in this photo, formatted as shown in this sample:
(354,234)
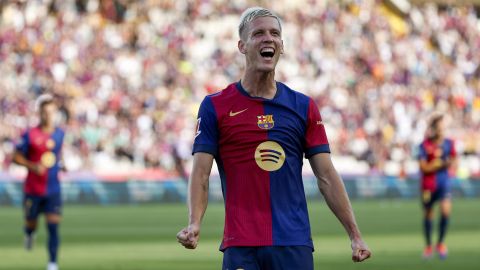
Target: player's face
(438,129)
(47,114)
(263,44)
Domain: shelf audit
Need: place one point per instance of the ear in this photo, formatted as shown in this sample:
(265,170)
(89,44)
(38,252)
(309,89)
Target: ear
(241,47)
(281,48)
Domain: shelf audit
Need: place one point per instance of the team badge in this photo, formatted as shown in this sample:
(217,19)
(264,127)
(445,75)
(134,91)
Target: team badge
(269,156)
(50,144)
(48,159)
(265,121)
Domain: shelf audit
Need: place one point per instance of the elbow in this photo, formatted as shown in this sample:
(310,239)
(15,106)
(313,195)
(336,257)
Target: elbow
(199,179)
(323,183)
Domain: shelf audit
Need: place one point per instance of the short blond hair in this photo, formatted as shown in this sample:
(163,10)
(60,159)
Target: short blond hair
(251,14)
(42,101)
(434,119)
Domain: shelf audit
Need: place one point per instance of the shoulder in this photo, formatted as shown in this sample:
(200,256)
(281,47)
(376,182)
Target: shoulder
(219,96)
(25,132)
(290,91)
(24,137)
(294,98)
(32,131)
(224,93)
(222,100)
(59,133)
(425,143)
(449,142)
(302,103)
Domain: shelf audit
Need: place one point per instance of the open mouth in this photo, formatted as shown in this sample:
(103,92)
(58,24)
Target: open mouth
(267,53)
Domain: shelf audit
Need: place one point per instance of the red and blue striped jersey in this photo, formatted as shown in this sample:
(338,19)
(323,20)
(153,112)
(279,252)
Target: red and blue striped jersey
(40,147)
(430,150)
(259,145)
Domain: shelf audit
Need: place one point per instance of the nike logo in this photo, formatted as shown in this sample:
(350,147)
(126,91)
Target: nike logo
(235,113)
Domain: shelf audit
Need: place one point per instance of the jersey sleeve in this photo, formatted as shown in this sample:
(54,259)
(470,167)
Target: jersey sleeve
(22,144)
(206,136)
(422,153)
(315,138)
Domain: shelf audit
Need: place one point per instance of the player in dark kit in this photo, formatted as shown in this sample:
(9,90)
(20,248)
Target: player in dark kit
(436,155)
(258,130)
(39,151)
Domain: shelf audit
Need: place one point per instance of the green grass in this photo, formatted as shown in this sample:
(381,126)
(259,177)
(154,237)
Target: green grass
(143,237)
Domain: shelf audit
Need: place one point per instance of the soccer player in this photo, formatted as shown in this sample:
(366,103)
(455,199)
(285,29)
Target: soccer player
(436,155)
(258,130)
(39,151)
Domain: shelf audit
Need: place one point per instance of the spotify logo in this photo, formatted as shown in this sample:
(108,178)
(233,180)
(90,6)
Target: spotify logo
(269,156)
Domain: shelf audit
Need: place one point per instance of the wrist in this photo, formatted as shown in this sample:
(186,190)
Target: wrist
(355,236)
(194,223)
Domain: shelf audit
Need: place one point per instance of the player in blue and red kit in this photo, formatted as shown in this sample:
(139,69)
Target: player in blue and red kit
(39,151)
(258,131)
(436,155)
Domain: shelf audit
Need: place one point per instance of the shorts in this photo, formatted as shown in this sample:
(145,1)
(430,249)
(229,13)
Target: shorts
(430,197)
(268,258)
(34,205)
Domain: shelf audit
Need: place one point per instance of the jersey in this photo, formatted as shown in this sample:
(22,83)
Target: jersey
(429,150)
(38,146)
(258,145)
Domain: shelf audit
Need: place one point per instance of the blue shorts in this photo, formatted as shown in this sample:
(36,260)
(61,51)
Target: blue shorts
(34,205)
(429,197)
(268,258)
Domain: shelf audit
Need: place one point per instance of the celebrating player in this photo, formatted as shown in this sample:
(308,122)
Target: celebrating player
(437,154)
(258,130)
(39,151)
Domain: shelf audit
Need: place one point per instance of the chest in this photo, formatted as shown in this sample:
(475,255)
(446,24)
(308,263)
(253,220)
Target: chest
(253,124)
(40,142)
(434,150)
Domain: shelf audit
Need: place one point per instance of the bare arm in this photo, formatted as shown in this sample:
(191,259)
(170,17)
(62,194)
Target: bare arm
(197,199)
(332,188)
(198,187)
(20,159)
(432,166)
(437,164)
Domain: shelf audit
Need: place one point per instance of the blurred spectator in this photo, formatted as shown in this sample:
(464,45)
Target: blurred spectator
(131,74)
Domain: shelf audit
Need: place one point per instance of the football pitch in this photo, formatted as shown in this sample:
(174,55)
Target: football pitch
(143,237)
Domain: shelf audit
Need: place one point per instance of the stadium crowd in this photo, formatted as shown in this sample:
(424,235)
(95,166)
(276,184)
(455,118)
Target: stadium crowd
(130,75)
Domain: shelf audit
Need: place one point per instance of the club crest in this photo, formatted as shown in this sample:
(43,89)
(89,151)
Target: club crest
(265,121)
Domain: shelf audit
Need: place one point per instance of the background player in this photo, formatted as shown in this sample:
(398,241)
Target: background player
(39,151)
(437,155)
(258,131)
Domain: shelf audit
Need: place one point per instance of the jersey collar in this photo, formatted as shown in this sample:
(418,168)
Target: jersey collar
(245,93)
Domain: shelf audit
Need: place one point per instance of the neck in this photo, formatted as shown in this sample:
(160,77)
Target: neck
(259,84)
(48,128)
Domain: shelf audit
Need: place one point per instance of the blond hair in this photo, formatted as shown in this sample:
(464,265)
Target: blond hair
(251,14)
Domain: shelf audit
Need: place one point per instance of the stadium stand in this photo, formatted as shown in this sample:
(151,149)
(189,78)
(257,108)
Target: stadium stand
(131,74)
